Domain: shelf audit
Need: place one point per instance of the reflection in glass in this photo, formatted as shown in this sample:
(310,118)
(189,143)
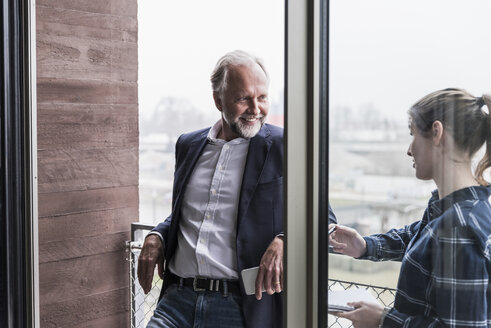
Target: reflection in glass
(177,49)
(383,57)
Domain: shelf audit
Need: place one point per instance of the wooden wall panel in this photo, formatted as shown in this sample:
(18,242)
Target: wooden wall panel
(60,56)
(85,32)
(53,90)
(107,24)
(119,8)
(82,246)
(79,202)
(93,223)
(74,169)
(83,276)
(87,70)
(118,320)
(85,309)
(62,126)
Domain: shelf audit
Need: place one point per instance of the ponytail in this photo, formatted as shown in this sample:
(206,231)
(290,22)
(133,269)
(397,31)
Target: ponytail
(486,160)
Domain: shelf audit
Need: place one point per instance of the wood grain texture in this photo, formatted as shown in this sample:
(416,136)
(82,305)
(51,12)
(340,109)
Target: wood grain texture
(55,251)
(70,279)
(73,169)
(84,309)
(84,18)
(87,72)
(84,126)
(60,56)
(112,7)
(59,228)
(86,32)
(117,320)
(51,90)
(55,204)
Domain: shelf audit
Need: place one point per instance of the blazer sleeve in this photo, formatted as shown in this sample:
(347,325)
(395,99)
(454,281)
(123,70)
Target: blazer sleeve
(162,228)
(331,216)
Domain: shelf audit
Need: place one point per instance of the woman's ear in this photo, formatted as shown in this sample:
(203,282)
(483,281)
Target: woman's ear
(437,133)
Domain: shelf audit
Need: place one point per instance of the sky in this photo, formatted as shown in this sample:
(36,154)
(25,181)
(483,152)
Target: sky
(391,53)
(179,43)
(387,53)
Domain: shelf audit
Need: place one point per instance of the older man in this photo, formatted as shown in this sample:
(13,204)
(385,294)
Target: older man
(226,214)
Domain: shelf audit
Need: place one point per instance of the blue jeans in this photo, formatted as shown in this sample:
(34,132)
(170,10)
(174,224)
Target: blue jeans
(183,307)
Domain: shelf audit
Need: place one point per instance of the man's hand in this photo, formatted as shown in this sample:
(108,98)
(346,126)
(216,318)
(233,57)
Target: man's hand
(347,241)
(151,255)
(270,272)
(365,315)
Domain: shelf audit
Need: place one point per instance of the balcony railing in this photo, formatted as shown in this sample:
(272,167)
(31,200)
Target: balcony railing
(384,295)
(142,306)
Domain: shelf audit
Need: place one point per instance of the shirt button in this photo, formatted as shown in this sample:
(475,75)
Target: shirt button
(225,147)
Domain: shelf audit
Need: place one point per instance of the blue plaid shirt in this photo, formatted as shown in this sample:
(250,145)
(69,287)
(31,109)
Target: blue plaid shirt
(446,262)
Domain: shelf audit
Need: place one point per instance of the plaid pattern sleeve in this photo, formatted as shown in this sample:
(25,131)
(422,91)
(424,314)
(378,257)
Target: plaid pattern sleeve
(391,245)
(444,278)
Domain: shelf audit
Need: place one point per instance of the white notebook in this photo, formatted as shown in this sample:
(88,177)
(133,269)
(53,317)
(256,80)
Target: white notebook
(338,300)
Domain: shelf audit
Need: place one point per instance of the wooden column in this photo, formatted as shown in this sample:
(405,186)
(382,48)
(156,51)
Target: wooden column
(87,159)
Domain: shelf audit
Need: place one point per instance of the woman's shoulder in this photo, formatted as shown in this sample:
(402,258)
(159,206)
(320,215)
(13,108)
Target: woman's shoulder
(478,208)
(469,204)
(470,218)
(465,221)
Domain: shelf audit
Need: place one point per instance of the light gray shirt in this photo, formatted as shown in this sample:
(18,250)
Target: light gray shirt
(208,225)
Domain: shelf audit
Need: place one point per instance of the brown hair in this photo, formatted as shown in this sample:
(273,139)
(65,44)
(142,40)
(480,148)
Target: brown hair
(462,114)
(486,161)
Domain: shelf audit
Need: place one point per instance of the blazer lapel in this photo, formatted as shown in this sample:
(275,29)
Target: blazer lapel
(193,152)
(256,159)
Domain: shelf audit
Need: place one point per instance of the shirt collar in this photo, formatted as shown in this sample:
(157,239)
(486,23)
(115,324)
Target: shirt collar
(215,130)
(438,206)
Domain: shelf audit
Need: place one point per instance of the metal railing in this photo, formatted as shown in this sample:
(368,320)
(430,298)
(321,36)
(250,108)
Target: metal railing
(142,306)
(384,295)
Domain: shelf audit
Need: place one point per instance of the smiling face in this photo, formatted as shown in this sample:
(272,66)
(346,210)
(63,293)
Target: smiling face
(244,103)
(421,150)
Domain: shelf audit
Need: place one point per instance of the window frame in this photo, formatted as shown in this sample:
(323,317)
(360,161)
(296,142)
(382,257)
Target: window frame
(304,164)
(19,274)
(323,178)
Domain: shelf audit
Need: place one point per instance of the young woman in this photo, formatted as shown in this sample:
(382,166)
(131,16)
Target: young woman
(446,256)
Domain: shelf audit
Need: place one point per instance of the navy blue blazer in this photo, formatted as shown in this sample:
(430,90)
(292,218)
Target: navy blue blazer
(260,212)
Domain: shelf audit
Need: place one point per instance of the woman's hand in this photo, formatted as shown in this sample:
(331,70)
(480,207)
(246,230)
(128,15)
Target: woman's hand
(365,314)
(347,241)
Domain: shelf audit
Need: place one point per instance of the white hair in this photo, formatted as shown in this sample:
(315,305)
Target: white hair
(235,58)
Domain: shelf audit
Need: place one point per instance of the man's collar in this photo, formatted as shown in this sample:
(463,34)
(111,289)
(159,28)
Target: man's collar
(214,131)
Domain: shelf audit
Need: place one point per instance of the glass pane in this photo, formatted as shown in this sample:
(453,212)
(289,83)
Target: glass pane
(179,44)
(384,57)
(177,50)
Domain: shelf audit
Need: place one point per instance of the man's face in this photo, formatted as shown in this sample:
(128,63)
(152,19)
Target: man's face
(244,103)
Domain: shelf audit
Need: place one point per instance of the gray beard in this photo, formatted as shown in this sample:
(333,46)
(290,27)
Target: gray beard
(245,131)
